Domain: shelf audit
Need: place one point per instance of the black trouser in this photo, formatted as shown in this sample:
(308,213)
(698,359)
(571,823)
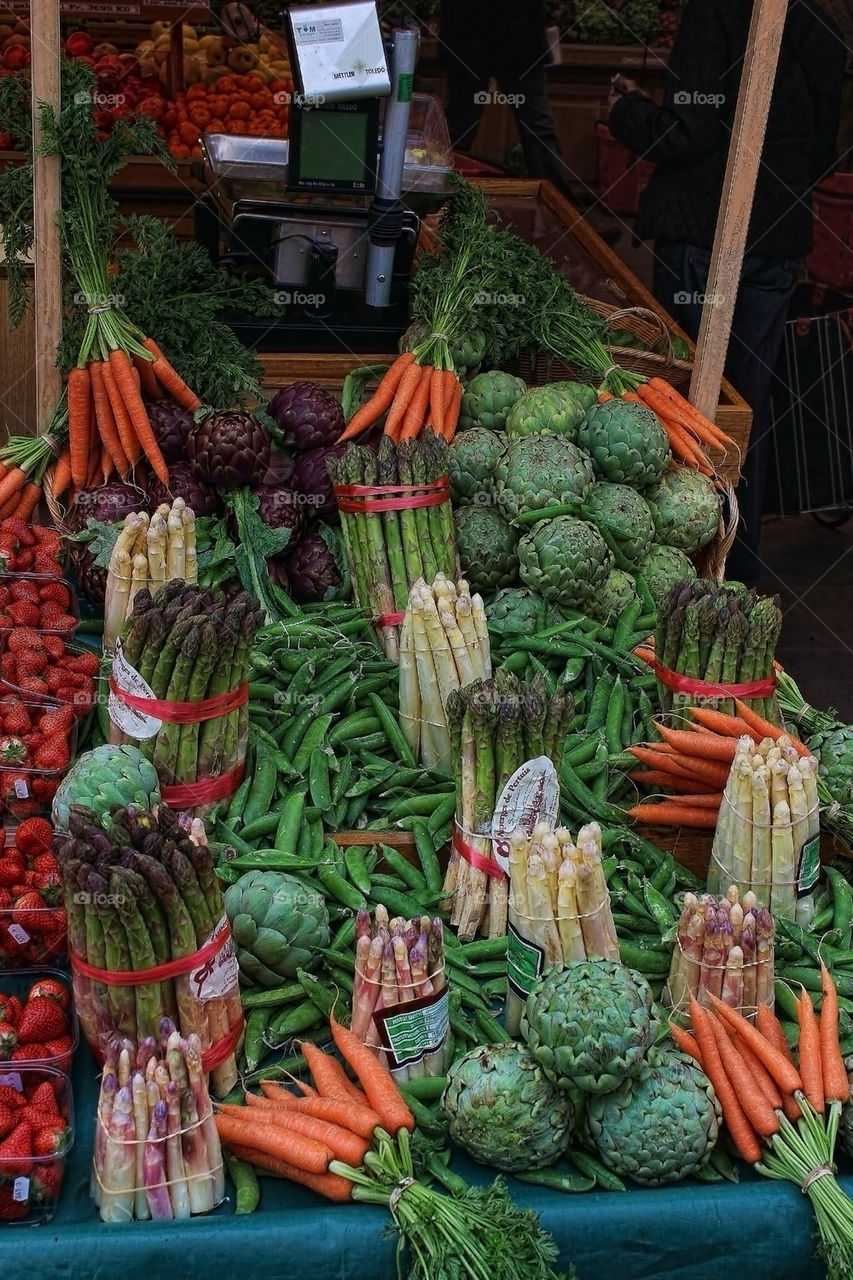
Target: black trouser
(764,296)
(526,86)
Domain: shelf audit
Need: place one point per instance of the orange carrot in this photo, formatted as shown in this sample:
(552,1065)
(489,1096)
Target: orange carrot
(771,1028)
(329,1076)
(765,729)
(683,446)
(729,726)
(742,1132)
(343,1143)
(130,443)
(381,399)
(660,391)
(710,801)
(61,473)
(413,419)
(11,484)
(645,655)
(170,380)
(657,757)
(631,397)
(295,1148)
(438,389)
(106,421)
(78,392)
(147,377)
(330,1185)
(808,1048)
(406,388)
(673,814)
(762,1076)
(688,787)
(710,746)
(375,1078)
(29,501)
(708,770)
(9,508)
(451,416)
(123,373)
(361,1120)
(686,1042)
(757,1109)
(836,1086)
(777,1063)
(604,396)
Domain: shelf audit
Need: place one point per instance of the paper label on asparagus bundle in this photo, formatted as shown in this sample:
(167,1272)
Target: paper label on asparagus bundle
(524,962)
(532,795)
(809,868)
(218,975)
(412,1031)
(136,724)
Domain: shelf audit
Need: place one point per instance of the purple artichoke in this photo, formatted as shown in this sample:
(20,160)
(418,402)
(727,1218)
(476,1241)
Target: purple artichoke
(312,479)
(312,570)
(282,509)
(230,450)
(183,483)
(108,503)
(172,425)
(280,469)
(309,416)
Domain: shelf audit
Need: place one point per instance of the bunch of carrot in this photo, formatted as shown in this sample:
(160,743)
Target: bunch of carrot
(414,395)
(693,763)
(690,433)
(299,1137)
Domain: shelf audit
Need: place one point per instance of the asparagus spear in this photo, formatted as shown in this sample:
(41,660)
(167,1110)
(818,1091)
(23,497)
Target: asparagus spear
(409,531)
(147,996)
(378,572)
(182,934)
(165,756)
(187,736)
(483,714)
(386,474)
(116,955)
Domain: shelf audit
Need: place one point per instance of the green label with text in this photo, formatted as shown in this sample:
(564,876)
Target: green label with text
(809,866)
(524,962)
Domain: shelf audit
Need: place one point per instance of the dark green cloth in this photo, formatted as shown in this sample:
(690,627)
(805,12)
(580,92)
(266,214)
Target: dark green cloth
(689,1231)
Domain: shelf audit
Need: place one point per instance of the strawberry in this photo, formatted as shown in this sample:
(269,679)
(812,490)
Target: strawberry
(16,1151)
(12,1210)
(54,678)
(12,751)
(44,562)
(54,647)
(24,560)
(65,622)
(25,589)
(49,886)
(31,1052)
(29,912)
(54,753)
(24,639)
(44,789)
(34,837)
(18,890)
(8,662)
(10,1097)
(35,686)
(33,663)
(24,614)
(57,721)
(54,944)
(5,899)
(42,1098)
(14,787)
(8,1119)
(19,529)
(8,1040)
(56,591)
(10,1009)
(17,718)
(11,868)
(43,863)
(47,539)
(5,597)
(51,1140)
(41,1019)
(87,663)
(60,1048)
(47,1179)
(51,989)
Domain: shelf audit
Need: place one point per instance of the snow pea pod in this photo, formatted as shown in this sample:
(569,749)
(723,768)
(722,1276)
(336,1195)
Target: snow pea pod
(247,1192)
(556,1180)
(592,1168)
(356,869)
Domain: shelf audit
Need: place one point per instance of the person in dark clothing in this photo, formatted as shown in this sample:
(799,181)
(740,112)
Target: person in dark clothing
(504,40)
(688,140)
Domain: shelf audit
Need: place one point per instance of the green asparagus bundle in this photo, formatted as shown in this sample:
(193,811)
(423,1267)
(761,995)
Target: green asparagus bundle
(189,645)
(149,552)
(768,829)
(723,948)
(559,907)
(495,725)
(141,893)
(390,549)
(444,644)
(718,633)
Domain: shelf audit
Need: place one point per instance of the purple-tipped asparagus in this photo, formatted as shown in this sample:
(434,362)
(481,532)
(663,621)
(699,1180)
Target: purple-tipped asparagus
(154,1166)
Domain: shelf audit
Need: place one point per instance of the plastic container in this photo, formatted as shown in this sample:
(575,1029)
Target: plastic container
(61,557)
(30,937)
(831,258)
(18,983)
(26,790)
(621,177)
(84,696)
(429,155)
(29,1189)
(40,582)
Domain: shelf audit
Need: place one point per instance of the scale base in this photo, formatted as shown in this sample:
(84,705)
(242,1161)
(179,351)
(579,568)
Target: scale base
(352,328)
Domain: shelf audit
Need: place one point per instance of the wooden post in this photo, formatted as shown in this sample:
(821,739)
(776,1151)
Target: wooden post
(753,104)
(175,61)
(44,72)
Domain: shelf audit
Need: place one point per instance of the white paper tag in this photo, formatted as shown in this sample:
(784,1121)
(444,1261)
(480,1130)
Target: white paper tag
(19,934)
(532,795)
(136,724)
(22,791)
(220,973)
(12,1078)
(21,1190)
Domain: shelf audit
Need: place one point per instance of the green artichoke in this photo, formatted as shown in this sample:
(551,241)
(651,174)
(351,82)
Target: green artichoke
(626,442)
(103,777)
(834,751)
(685,509)
(589,1024)
(661,568)
(515,611)
(488,399)
(505,1112)
(565,560)
(660,1126)
(613,598)
(471,461)
(623,518)
(540,471)
(487,547)
(278,924)
(556,409)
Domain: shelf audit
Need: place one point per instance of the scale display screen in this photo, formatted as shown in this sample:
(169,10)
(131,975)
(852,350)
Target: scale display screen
(333,148)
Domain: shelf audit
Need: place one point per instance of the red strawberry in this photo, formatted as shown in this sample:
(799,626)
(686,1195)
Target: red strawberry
(24,560)
(46,538)
(44,562)
(54,753)
(8,1119)
(24,639)
(24,614)
(33,663)
(14,787)
(25,589)
(51,989)
(20,529)
(5,899)
(65,622)
(54,678)
(43,863)
(16,1151)
(54,647)
(41,1020)
(17,718)
(18,890)
(51,1140)
(58,721)
(8,1040)
(8,661)
(49,886)
(35,686)
(85,662)
(11,1098)
(56,591)
(11,868)
(10,1009)
(47,1179)
(31,1052)
(60,1048)
(12,1210)
(43,1098)
(34,837)
(5,597)
(44,789)
(29,912)
(54,944)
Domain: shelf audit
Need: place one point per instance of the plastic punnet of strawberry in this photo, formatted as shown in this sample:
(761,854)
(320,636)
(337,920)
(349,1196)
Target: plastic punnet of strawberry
(38,667)
(36,1134)
(30,548)
(33,922)
(37,745)
(42,604)
(38,1021)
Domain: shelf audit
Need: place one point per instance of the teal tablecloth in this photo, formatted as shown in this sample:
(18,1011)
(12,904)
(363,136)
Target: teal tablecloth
(690,1231)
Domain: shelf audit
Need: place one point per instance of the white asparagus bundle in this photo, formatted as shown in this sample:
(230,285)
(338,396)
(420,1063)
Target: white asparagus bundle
(768,817)
(558,900)
(724,947)
(444,645)
(148,553)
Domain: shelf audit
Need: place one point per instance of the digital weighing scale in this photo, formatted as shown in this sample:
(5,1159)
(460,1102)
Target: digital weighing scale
(331,215)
